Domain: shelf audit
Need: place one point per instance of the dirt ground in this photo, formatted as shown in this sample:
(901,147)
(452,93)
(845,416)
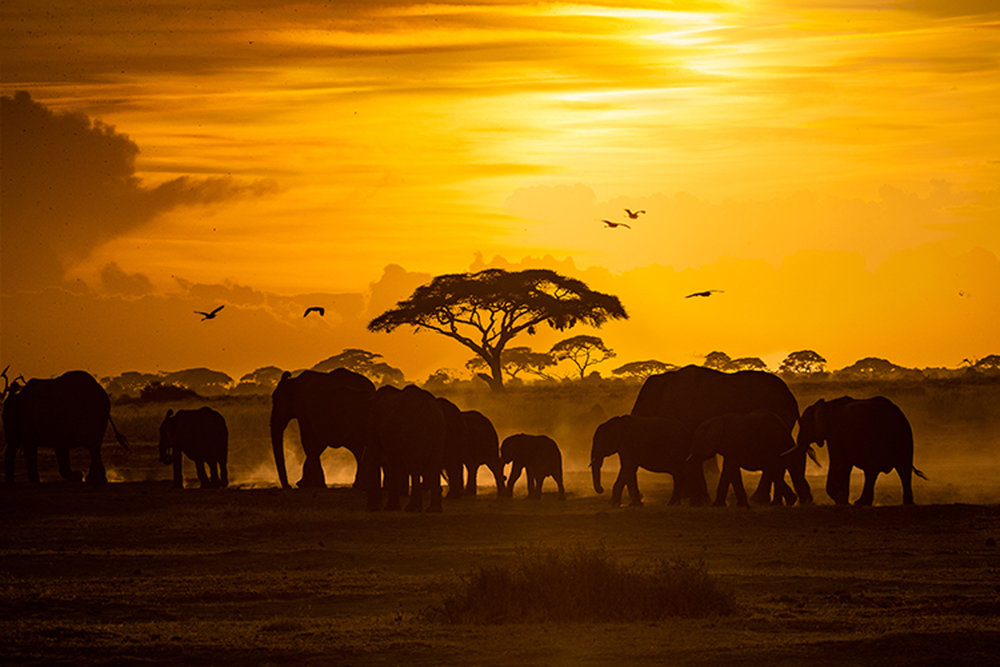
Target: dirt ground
(135,572)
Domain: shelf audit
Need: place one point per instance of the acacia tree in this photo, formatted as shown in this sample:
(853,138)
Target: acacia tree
(484,311)
(582,352)
(643,369)
(515,360)
(803,362)
(364,362)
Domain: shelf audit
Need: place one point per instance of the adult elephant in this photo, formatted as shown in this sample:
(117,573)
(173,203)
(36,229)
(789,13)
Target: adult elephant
(407,441)
(694,394)
(332,410)
(871,434)
(480,447)
(657,444)
(756,440)
(454,443)
(202,435)
(63,413)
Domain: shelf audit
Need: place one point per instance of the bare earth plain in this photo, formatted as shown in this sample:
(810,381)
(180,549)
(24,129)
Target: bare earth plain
(135,572)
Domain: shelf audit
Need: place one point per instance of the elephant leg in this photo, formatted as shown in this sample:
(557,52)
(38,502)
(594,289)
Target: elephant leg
(634,497)
(906,479)
(97,473)
(782,492)
(178,476)
(202,475)
(534,486)
(9,458)
(497,471)
(723,489)
(223,472)
(762,495)
(616,489)
(796,464)
(677,494)
(559,484)
(392,483)
(741,493)
(455,486)
(472,479)
(213,473)
(312,472)
(838,482)
(31,463)
(434,491)
(515,472)
(868,493)
(416,501)
(62,458)
(694,485)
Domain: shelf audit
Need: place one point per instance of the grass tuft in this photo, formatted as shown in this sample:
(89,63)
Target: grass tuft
(582,585)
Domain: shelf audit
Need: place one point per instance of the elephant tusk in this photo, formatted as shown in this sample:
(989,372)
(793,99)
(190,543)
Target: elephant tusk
(788,451)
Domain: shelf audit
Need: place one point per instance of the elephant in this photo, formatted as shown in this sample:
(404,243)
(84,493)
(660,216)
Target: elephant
(757,440)
(657,444)
(453,446)
(871,434)
(203,436)
(408,433)
(332,410)
(694,393)
(538,456)
(480,448)
(69,411)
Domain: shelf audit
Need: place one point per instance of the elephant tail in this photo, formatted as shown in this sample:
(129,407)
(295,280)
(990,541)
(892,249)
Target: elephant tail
(918,472)
(122,440)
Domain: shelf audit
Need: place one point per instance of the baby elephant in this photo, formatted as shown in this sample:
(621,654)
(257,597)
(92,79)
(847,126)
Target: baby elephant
(202,435)
(751,441)
(539,456)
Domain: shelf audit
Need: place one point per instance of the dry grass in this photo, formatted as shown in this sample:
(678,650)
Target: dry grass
(558,585)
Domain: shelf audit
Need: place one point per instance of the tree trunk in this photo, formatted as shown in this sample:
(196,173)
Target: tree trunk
(496,384)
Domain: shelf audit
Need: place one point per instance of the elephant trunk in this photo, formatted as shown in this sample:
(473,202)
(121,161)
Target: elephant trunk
(278,446)
(595,470)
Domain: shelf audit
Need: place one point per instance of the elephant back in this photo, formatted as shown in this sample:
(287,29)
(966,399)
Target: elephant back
(694,393)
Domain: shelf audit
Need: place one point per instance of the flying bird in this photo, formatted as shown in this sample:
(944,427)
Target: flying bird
(209,316)
(709,292)
(316,309)
(634,214)
(612,225)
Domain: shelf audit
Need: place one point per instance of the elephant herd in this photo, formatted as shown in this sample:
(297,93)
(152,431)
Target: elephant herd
(403,440)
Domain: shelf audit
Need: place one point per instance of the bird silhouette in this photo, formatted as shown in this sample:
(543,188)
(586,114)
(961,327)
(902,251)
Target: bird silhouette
(317,309)
(634,214)
(209,316)
(705,293)
(612,225)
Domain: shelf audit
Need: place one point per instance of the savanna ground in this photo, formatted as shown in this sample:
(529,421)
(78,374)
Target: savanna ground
(137,572)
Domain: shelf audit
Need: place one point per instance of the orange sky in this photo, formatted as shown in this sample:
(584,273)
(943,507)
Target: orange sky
(832,165)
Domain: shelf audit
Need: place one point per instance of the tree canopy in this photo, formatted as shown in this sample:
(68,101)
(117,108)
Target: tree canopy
(582,352)
(516,360)
(364,362)
(643,369)
(485,310)
(803,362)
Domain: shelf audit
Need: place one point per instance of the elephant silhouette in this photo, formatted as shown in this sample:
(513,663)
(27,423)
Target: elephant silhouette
(201,435)
(756,440)
(657,444)
(66,412)
(694,394)
(538,456)
(407,440)
(871,434)
(480,447)
(332,410)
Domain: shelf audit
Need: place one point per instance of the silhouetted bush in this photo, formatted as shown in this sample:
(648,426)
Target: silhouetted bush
(582,585)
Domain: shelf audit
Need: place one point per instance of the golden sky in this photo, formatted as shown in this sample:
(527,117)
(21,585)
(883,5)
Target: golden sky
(832,165)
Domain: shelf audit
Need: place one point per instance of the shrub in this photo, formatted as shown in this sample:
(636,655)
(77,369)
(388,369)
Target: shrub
(582,585)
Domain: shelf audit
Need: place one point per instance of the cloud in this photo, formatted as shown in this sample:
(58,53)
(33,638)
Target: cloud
(116,281)
(69,185)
